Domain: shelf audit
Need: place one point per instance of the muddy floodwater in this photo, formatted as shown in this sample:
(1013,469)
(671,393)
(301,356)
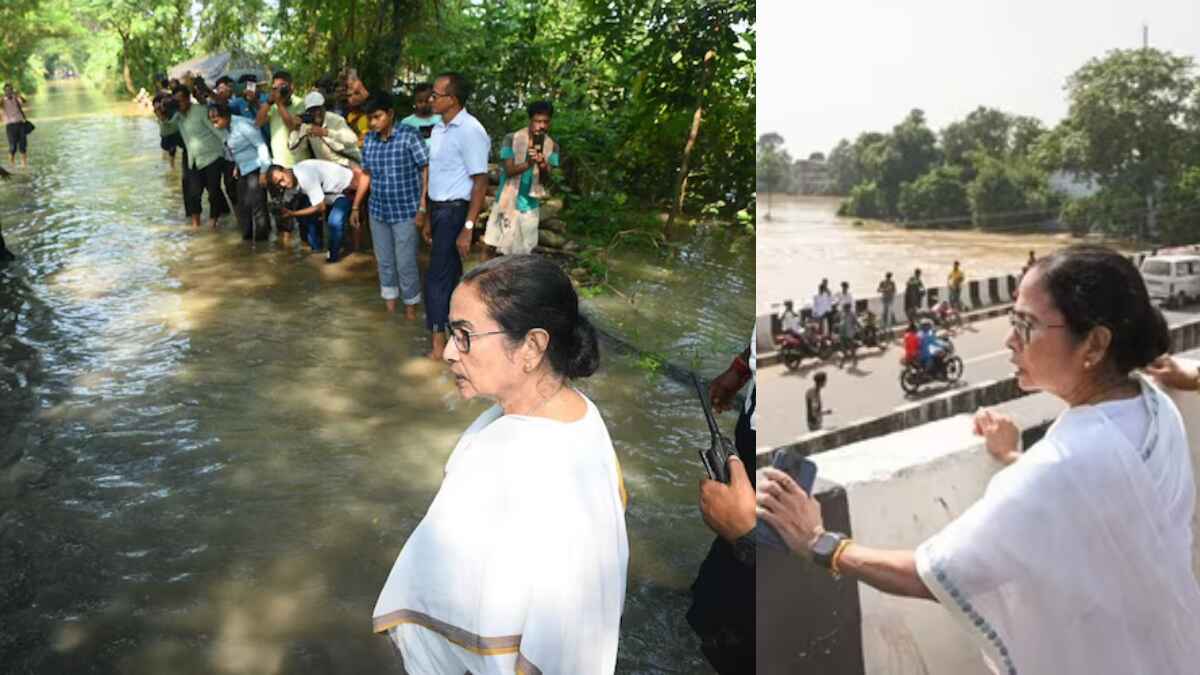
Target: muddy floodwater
(806,241)
(211,456)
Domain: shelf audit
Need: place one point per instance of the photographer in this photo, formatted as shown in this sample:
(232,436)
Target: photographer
(328,187)
(325,134)
(282,112)
(527,154)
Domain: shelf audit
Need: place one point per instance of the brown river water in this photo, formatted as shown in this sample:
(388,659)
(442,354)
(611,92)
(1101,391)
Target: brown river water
(210,457)
(806,241)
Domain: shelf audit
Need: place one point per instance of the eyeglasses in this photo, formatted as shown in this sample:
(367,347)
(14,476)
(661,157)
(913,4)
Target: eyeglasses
(1024,327)
(462,337)
(435,95)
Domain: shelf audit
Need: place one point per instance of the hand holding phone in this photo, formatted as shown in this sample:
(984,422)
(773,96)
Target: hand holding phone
(804,472)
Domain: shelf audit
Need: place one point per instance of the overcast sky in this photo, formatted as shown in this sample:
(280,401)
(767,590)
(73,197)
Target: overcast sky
(830,69)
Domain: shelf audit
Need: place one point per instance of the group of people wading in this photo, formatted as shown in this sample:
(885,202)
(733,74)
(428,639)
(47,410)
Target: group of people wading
(337,157)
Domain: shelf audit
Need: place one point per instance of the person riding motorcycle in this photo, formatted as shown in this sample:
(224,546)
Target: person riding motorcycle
(932,346)
(790,321)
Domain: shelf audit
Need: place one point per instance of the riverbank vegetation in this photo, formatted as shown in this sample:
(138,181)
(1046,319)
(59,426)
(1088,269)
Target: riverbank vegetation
(1124,162)
(654,101)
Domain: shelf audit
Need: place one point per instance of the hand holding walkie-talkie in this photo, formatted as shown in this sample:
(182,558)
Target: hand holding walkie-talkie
(716,457)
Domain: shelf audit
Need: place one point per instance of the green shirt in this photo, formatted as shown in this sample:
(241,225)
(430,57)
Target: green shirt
(524,201)
(419,123)
(204,143)
(280,152)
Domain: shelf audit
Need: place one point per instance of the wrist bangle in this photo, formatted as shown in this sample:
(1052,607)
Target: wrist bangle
(837,556)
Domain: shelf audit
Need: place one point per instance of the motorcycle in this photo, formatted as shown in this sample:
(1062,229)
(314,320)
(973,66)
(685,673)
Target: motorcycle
(946,367)
(944,315)
(795,348)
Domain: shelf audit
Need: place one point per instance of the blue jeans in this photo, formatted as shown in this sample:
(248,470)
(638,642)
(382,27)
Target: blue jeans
(336,216)
(396,253)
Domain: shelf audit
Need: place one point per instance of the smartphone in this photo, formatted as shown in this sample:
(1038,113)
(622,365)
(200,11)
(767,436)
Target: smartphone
(538,139)
(804,472)
(427,131)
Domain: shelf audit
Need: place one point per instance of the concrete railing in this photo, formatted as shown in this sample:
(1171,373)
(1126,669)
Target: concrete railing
(1184,337)
(978,293)
(894,492)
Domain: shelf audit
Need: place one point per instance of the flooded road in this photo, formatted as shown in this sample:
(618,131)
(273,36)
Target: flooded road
(806,241)
(213,456)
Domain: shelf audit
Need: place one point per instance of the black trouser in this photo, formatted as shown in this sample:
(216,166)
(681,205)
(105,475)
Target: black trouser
(445,265)
(196,181)
(722,611)
(251,208)
(170,142)
(16,138)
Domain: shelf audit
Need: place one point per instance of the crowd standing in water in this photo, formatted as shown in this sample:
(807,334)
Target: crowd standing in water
(334,159)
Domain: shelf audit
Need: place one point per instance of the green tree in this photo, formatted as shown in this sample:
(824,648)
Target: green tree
(1128,110)
(774,166)
(939,196)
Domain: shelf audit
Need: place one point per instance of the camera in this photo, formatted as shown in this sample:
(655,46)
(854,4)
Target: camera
(285,92)
(308,117)
(538,139)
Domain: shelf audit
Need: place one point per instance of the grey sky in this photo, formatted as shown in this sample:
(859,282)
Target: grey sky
(831,69)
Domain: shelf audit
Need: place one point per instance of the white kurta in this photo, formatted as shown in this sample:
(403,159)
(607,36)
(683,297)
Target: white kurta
(520,564)
(1078,558)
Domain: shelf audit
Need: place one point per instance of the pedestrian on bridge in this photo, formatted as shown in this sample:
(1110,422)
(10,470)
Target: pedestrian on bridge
(1077,559)
(955,283)
(914,291)
(887,296)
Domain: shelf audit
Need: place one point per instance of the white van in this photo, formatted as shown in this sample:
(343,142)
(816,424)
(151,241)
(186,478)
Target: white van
(1174,279)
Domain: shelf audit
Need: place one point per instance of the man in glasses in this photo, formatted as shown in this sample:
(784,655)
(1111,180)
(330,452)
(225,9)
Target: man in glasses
(458,180)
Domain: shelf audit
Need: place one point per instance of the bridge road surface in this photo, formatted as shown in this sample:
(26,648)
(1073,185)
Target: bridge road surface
(872,389)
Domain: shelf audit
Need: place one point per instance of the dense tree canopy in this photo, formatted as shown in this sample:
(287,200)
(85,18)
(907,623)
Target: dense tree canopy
(654,100)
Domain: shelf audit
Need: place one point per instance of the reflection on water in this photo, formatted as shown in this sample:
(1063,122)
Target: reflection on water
(227,449)
(805,241)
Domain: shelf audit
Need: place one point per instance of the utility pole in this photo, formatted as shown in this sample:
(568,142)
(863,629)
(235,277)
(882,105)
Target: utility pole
(1145,36)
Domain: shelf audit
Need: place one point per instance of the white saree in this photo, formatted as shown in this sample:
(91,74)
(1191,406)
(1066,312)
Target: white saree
(1078,558)
(519,566)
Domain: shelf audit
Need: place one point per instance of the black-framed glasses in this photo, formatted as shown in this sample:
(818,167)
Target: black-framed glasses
(462,337)
(434,94)
(1024,328)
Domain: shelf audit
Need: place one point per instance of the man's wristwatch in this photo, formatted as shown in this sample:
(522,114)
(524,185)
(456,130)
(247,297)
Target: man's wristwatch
(826,547)
(470,225)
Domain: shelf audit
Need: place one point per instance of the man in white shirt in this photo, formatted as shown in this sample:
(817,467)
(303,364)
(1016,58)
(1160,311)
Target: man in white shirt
(326,185)
(458,156)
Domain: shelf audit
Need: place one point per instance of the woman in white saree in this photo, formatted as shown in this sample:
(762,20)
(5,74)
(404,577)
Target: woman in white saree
(1077,560)
(519,566)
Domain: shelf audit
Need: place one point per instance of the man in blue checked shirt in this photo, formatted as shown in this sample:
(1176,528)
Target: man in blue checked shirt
(251,158)
(397,165)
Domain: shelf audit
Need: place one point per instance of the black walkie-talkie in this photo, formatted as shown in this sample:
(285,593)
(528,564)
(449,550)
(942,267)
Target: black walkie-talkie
(716,457)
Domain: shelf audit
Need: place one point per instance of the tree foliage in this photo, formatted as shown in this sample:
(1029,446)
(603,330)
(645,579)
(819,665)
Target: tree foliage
(652,99)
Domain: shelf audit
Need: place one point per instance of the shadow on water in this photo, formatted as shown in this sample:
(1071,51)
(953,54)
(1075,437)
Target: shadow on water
(217,455)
